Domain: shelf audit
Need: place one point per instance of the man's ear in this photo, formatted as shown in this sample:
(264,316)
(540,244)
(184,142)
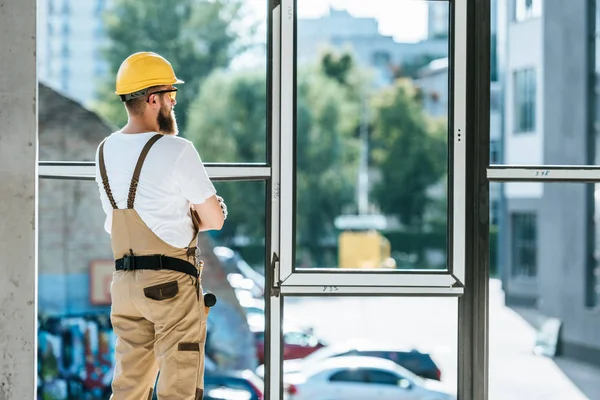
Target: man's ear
(154,101)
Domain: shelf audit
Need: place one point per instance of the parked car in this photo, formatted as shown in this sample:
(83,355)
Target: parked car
(297,342)
(245,381)
(255,315)
(360,378)
(419,363)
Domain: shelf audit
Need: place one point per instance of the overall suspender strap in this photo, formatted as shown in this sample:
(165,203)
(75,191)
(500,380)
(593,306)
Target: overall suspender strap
(113,203)
(138,169)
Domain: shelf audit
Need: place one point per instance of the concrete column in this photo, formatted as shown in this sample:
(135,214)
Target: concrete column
(18,189)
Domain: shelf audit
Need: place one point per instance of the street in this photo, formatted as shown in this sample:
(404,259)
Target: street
(430,325)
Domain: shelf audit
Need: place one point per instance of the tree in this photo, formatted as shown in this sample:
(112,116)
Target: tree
(410,151)
(228,124)
(328,115)
(194,35)
(411,68)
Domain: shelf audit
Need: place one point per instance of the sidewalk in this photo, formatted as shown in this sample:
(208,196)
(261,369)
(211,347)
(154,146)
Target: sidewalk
(516,373)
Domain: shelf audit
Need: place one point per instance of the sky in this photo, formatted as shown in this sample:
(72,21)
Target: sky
(405,20)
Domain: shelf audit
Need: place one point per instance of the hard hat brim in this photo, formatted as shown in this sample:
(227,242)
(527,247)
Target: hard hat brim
(159,82)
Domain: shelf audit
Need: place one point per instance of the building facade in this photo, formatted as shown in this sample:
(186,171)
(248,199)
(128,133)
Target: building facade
(550,229)
(70,37)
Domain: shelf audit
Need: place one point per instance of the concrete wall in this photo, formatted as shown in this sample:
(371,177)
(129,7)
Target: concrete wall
(18,159)
(71,221)
(563,253)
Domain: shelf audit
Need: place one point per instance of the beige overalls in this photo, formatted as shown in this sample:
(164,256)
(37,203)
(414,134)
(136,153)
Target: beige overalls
(157,314)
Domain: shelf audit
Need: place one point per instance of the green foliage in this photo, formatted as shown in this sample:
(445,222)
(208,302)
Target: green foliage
(228,124)
(410,152)
(327,153)
(336,66)
(194,35)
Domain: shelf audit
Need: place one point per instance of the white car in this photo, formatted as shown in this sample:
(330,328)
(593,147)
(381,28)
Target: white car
(360,378)
(358,347)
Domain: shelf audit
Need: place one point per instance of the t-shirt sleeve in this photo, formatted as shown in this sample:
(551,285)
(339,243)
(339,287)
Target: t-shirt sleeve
(191,176)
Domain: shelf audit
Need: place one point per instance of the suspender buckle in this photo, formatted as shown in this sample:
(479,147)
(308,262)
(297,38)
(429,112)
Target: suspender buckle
(128,263)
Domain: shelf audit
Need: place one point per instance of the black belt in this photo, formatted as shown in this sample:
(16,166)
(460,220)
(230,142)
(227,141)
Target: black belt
(155,262)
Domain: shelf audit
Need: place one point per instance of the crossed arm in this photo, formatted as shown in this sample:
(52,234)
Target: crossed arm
(212,213)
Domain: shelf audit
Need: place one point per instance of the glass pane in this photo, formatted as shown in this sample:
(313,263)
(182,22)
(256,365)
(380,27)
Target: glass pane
(544,107)
(217,48)
(545,292)
(360,349)
(75,337)
(371,134)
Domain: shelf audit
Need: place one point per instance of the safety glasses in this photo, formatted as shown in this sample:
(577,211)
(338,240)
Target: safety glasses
(172,93)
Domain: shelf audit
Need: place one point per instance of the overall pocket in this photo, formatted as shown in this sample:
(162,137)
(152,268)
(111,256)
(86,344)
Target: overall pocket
(188,368)
(163,291)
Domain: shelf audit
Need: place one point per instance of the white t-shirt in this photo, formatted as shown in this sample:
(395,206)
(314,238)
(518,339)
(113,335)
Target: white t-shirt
(172,178)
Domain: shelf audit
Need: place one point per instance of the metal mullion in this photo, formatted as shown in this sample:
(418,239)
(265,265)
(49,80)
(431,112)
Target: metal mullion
(544,173)
(217,172)
(274,301)
(473,306)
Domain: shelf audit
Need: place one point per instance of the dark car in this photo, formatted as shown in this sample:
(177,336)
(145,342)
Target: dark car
(416,362)
(297,343)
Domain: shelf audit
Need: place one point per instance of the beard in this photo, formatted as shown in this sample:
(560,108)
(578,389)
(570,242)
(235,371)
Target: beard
(167,123)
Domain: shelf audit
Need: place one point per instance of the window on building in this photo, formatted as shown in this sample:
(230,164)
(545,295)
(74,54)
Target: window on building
(524,100)
(381,59)
(66,8)
(64,78)
(526,9)
(524,244)
(65,53)
(494,212)
(494,151)
(100,8)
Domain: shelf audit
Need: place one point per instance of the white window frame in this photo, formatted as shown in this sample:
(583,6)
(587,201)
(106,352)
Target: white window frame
(308,281)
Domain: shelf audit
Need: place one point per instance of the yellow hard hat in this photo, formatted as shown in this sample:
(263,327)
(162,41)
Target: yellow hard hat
(142,70)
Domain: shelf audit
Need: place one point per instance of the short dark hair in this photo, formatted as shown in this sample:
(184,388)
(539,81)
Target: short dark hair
(136,106)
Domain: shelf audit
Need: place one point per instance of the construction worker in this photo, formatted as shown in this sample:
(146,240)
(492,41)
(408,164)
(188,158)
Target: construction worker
(157,196)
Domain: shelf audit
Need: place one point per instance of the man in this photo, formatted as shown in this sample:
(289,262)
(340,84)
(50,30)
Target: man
(157,197)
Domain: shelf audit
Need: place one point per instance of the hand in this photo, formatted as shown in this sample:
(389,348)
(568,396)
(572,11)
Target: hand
(223,206)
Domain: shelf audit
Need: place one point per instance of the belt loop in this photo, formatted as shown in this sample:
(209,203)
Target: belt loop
(160,257)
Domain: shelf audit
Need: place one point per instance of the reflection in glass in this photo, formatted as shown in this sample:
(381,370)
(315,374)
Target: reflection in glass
(371,135)
(543,293)
(76,341)
(217,48)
